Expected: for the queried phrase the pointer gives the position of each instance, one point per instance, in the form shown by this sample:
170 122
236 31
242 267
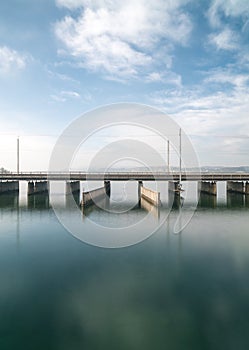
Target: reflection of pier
207 201
38 201
151 208
236 200
10 200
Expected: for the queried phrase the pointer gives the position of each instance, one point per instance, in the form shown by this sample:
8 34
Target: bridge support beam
236 187
90 197
9 186
72 187
38 187
152 197
208 187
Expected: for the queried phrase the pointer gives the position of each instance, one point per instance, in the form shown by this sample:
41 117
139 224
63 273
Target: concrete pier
207 201
151 196
140 184
174 199
38 187
208 187
235 200
247 188
173 186
236 187
72 187
90 197
9 186
107 186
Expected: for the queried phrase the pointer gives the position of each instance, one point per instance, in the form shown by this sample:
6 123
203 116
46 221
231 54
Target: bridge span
123 176
38 182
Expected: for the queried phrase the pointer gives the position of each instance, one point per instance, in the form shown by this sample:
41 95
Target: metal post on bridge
168 156
18 155
180 156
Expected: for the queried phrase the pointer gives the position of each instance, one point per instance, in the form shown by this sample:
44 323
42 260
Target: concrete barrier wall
149 207
91 196
151 196
9 186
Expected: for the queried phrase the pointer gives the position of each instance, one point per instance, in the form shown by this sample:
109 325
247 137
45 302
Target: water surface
185 291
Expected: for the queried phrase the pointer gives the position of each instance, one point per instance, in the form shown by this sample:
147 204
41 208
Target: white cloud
200 111
225 40
168 78
11 60
229 8
217 122
63 96
121 38
70 4
71 94
224 76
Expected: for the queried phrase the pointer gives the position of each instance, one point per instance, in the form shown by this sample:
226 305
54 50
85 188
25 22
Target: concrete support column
207 201
173 186
72 187
247 187
37 187
107 185
31 187
235 187
9 186
140 184
207 187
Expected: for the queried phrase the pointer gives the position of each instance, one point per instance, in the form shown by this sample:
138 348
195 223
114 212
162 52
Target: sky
62 58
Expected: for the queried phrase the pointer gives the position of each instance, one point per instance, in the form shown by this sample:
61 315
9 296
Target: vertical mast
18 155
168 156
180 154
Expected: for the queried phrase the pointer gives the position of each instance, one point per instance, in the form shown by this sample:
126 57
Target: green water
187 291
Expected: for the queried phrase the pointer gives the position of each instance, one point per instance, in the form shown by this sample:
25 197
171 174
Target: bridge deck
123 176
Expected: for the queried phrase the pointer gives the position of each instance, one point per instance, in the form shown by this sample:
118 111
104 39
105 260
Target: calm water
187 291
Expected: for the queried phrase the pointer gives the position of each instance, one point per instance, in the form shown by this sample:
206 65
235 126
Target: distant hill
211 169
225 169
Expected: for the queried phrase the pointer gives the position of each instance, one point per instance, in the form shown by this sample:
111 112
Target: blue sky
61 58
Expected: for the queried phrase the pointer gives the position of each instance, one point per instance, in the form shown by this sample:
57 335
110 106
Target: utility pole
168 156
180 154
18 155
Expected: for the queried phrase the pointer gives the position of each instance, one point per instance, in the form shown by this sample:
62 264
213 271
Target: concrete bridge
123 176
38 182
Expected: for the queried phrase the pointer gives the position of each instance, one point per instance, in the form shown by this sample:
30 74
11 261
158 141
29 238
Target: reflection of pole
18 225
180 151
168 156
18 155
